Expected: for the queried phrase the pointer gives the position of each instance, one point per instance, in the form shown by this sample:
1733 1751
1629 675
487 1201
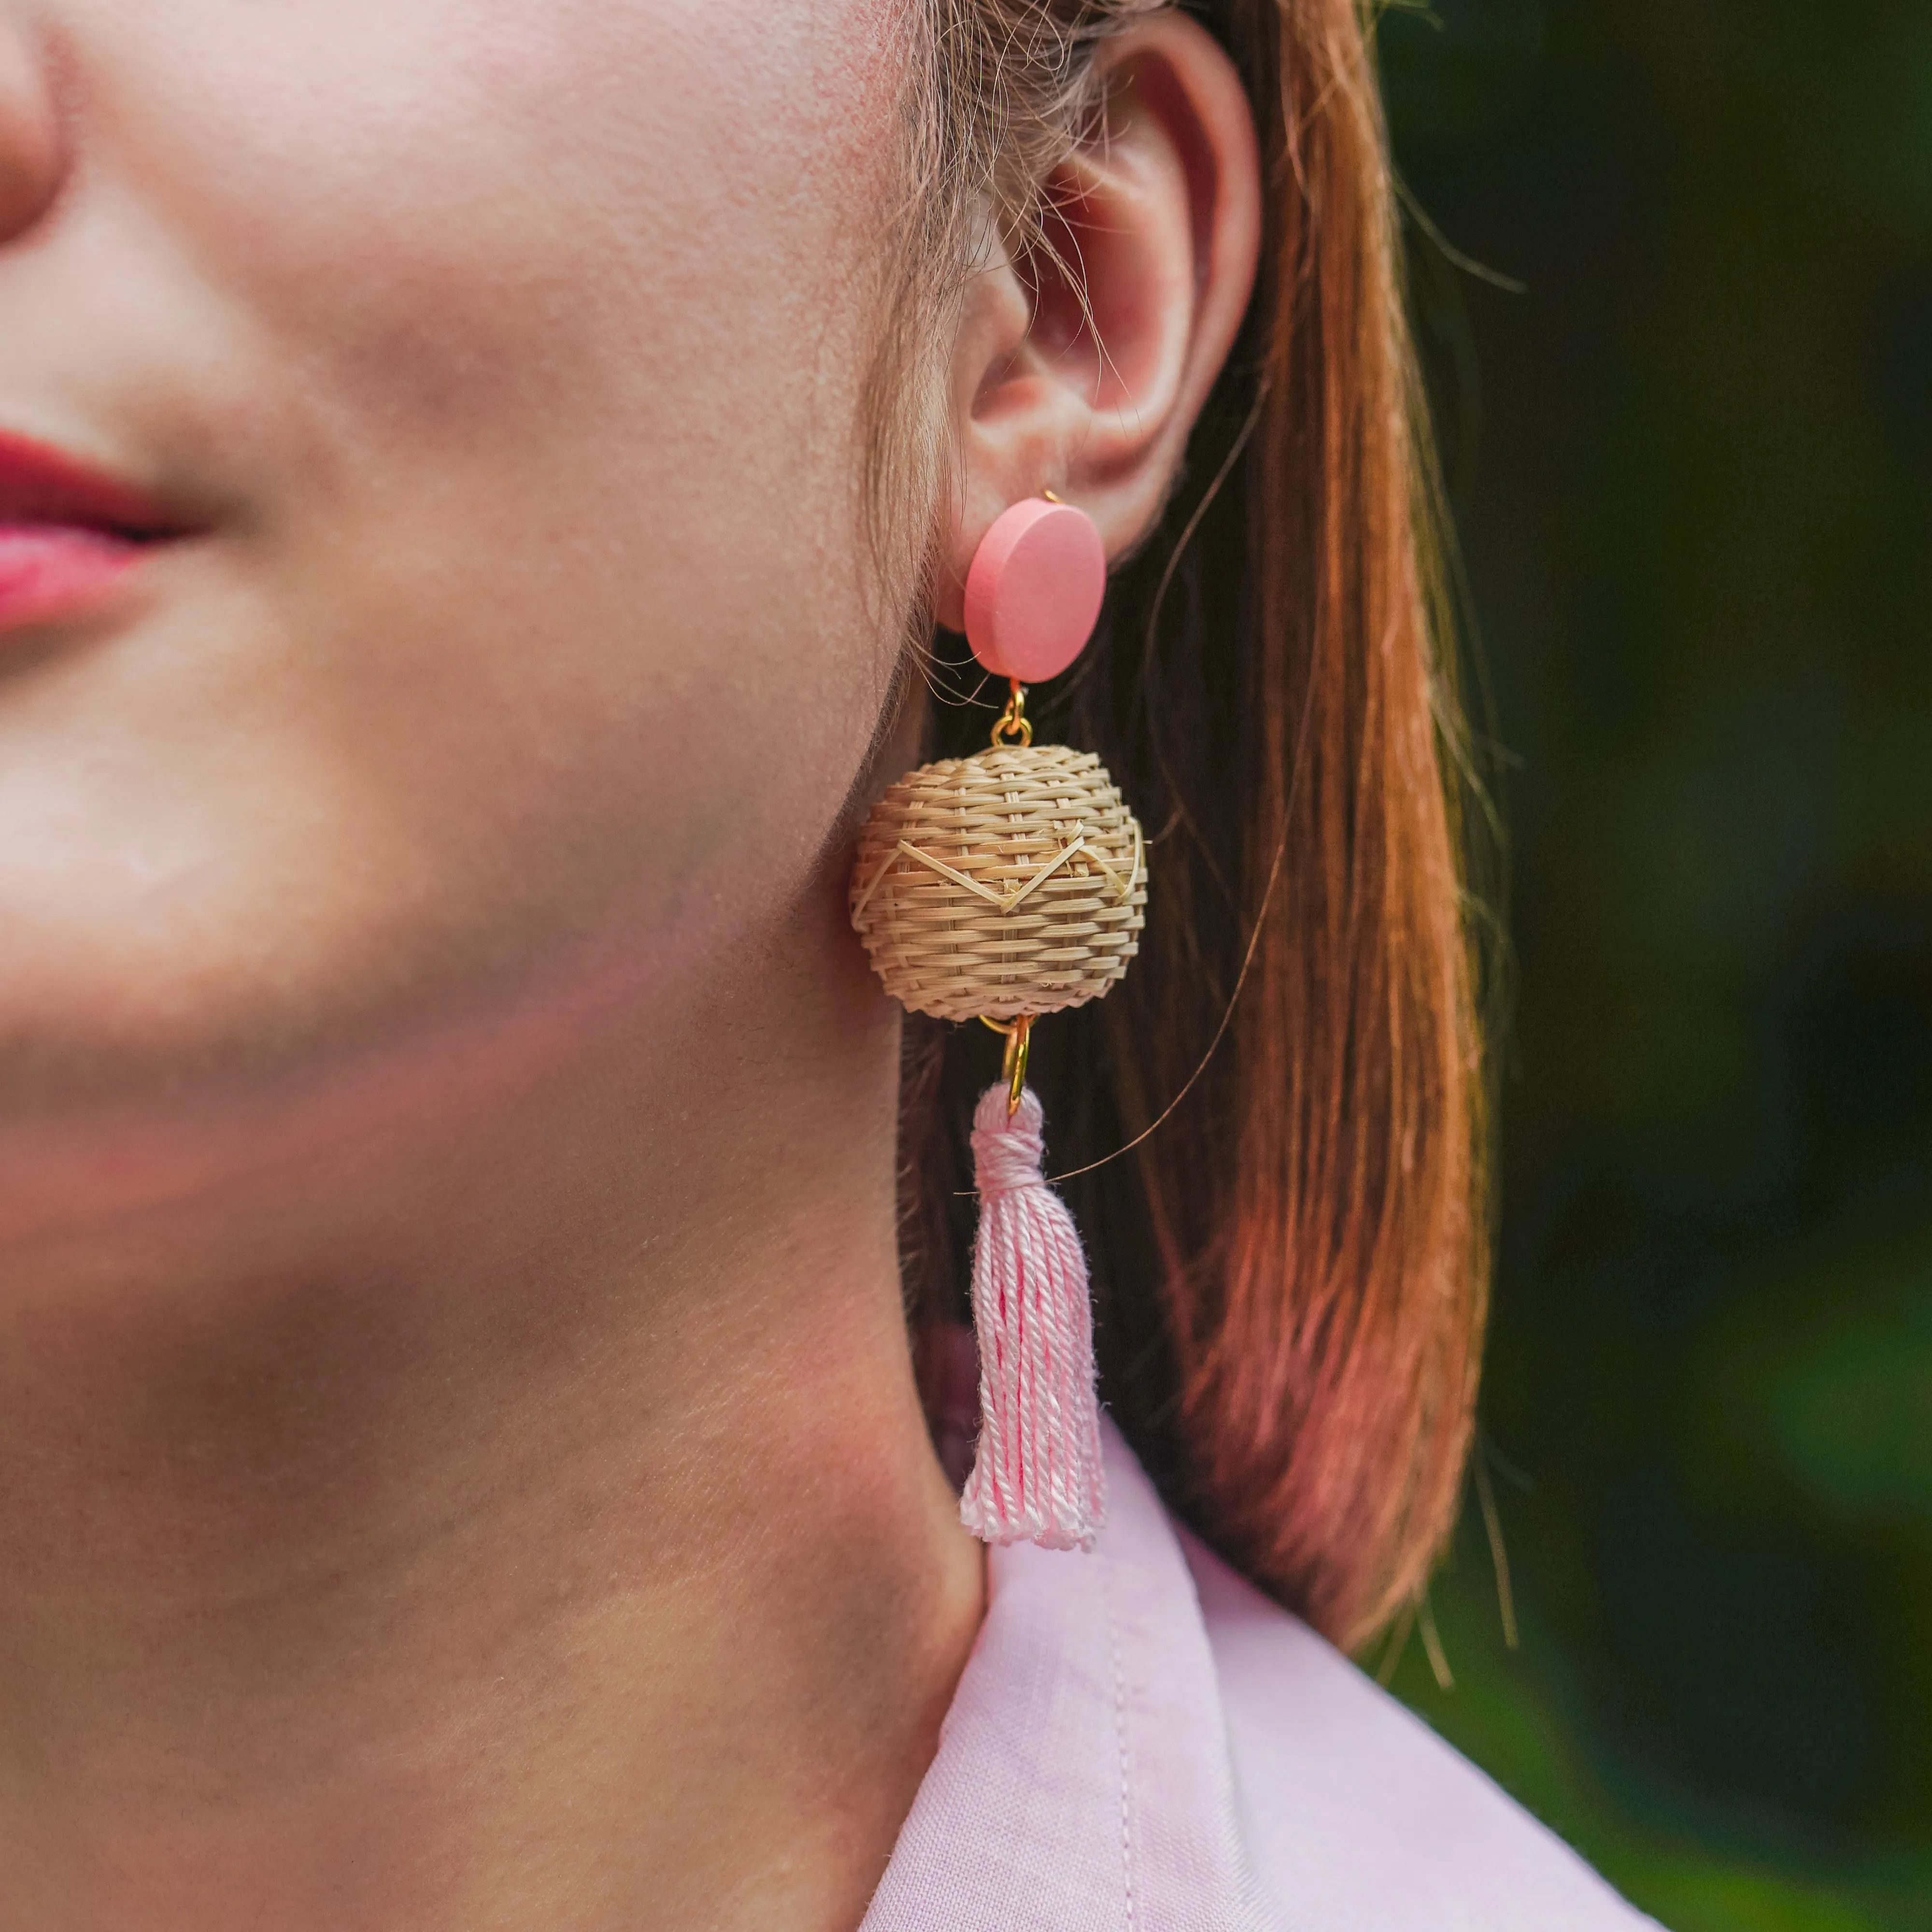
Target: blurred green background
1690 460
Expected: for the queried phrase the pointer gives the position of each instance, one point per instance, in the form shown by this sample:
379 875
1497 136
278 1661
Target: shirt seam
1129 1901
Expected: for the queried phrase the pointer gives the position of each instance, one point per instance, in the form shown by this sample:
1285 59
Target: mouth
68 535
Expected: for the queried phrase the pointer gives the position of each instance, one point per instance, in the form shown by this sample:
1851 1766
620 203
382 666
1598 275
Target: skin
460 1461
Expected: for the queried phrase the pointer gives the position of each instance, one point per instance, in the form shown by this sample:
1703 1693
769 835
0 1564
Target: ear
1155 220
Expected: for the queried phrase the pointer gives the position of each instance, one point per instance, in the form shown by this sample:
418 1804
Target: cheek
492 222
544 620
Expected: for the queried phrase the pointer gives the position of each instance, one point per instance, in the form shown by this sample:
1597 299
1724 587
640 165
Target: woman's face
501 361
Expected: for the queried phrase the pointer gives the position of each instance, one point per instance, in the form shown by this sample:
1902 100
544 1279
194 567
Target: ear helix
1003 887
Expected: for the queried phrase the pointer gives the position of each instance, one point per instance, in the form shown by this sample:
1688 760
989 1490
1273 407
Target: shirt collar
1082 1779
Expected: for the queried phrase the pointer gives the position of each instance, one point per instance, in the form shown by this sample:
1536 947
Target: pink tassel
1037 1475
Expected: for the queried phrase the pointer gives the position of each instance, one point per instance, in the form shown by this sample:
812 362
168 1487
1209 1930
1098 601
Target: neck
520 1517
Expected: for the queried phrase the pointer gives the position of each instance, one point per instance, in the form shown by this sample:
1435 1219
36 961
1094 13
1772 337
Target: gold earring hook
1013 1066
1013 722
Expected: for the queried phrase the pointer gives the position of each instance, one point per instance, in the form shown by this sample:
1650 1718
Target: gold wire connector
1013 722
1013 1068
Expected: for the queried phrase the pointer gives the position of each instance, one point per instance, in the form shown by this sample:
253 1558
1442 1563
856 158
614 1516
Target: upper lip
40 485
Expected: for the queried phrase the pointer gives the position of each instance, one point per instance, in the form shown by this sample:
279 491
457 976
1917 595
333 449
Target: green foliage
1851 1414
1691 465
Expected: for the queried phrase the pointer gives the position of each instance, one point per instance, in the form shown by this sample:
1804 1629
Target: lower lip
58 570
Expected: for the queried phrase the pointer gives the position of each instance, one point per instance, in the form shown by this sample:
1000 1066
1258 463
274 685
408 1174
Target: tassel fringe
1037 1475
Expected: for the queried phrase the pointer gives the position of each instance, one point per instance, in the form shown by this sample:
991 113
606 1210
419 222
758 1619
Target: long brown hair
1290 1274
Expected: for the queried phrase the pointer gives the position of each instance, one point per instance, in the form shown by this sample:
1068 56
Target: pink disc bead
1034 590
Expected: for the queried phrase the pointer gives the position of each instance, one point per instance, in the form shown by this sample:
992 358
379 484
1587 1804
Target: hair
1290 1274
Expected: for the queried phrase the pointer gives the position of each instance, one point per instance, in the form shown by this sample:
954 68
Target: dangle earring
1001 887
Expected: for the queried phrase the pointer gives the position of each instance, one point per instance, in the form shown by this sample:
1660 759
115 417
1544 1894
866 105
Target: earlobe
1084 358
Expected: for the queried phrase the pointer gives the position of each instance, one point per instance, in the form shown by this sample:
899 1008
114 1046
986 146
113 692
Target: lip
68 534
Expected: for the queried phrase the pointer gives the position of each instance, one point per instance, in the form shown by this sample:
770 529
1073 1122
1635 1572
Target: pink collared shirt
1141 1742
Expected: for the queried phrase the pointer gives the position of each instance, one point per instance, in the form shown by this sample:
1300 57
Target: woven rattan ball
1011 883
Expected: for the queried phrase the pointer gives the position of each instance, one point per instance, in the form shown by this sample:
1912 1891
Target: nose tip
31 157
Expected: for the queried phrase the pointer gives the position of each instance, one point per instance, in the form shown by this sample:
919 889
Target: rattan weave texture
1010 882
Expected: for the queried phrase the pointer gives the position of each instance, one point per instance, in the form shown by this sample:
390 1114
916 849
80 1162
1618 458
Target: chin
151 1037
231 1065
